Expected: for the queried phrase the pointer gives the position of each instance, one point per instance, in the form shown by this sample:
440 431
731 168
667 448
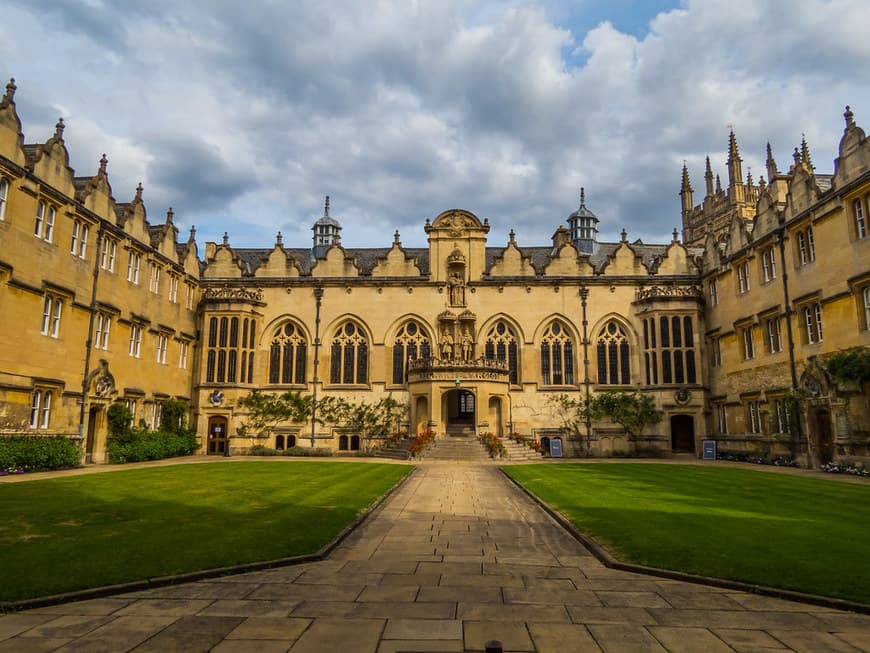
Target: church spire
735 163
708 178
805 153
686 191
772 172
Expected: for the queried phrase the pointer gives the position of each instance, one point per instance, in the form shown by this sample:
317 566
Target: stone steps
457 448
518 451
398 451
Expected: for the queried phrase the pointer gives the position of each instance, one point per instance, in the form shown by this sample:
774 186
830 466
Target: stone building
474 334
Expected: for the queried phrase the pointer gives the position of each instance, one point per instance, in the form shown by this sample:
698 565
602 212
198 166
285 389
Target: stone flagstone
456 557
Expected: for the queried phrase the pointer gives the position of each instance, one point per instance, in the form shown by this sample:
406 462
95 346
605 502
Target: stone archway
459 409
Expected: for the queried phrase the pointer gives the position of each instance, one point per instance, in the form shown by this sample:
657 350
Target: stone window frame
289 349
768 264
78 246
4 195
743 281
806 247
859 217
614 349
134 264
135 348
52 311
102 329
419 342
107 253
46 214
349 354
41 400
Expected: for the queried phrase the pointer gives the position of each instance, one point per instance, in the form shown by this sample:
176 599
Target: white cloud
244 116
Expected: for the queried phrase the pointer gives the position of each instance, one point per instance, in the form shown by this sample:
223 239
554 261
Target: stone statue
446 346
457 289
466 345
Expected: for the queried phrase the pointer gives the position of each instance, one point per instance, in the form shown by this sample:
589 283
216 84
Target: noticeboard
556 448
709 450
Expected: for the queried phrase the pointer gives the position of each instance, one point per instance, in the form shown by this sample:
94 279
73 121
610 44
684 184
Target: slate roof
366 258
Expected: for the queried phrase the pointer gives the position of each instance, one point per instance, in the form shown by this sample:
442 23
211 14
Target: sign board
709 451
556 448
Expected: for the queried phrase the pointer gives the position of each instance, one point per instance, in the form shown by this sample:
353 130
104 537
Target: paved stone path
456 557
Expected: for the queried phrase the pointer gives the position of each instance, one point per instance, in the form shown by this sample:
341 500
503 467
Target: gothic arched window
613 355
557 356
349 357
287 355
501 344
411 342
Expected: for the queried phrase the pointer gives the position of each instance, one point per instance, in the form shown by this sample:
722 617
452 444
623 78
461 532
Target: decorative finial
103 163
718 184
58 129
326 207
428 224
169 215
582 196
279 240
512 237
676 236
805 152
10 89
761 183
486 222
139 191
749 176
848 115
396 239
797 157
624 236
192 233
226 239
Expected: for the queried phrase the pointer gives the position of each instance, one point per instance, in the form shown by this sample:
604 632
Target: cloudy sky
242 116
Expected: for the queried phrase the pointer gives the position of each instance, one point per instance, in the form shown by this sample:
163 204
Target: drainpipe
89 343
318 296
584 295
780 236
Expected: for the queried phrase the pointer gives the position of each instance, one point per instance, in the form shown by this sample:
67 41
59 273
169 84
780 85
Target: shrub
307 451
262 450
151 445
120 419
26 453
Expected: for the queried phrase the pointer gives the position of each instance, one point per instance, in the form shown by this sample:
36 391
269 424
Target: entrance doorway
824 436
682 434
460 410
90 444
217 435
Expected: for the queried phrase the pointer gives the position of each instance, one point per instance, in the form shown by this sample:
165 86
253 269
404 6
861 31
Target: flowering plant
494 444
421 442
853 469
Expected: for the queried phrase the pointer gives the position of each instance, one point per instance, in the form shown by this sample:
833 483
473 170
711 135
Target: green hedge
27 453
151 445
307 452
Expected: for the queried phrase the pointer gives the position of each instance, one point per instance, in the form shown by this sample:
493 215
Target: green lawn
71 533
811 535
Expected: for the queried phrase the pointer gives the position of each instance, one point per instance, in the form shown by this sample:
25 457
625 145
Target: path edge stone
605 558
204 574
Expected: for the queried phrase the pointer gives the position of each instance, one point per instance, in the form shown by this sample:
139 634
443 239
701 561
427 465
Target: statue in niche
466 345
456 286
446 346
